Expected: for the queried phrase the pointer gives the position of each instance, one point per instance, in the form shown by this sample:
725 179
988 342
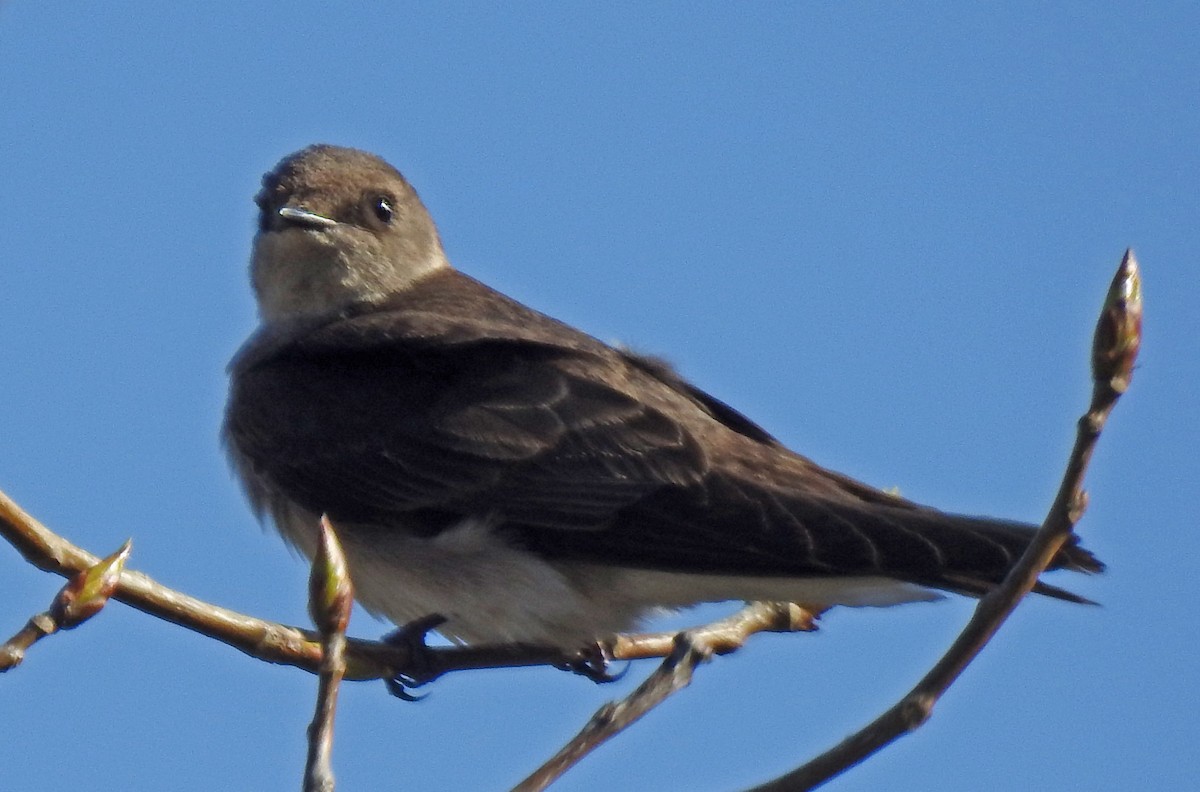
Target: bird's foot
420 669
592 662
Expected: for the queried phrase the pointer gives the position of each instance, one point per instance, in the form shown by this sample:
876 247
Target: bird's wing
375 418
489 409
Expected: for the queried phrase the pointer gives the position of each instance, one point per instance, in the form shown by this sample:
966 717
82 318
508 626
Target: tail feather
973 587
973 576
731 526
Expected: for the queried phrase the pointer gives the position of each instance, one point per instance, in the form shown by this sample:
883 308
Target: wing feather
458 401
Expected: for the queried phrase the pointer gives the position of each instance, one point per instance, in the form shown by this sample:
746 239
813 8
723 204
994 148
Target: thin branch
1115 347
83 596
689 649
1114 350
330 599
265 640
722 637
283 644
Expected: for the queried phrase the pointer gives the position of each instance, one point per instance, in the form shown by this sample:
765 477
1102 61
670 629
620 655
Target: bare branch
1114 350
1115 347
83 596
689 649
287 645
330 599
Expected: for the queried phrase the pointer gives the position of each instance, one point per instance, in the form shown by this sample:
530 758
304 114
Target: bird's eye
382 207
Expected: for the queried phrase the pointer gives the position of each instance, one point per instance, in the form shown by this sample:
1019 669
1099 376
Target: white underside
491 592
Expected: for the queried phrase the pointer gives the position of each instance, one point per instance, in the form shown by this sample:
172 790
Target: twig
273 642
265 640
80 599
723 636
1114 350
330 598
1115 347
689 649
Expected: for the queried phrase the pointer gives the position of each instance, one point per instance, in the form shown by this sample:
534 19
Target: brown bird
524 480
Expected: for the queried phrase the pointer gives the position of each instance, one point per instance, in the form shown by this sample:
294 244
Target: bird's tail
979 552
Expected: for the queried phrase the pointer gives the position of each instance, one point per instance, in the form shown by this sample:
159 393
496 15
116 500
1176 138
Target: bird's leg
420 669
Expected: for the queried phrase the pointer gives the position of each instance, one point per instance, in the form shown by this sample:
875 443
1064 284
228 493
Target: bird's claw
592 662
420 669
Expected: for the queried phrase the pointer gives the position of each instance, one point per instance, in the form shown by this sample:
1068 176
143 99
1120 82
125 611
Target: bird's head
338 227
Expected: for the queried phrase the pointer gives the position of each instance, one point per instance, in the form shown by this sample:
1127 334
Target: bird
517 478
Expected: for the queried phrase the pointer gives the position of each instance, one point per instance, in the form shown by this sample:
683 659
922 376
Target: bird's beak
302 217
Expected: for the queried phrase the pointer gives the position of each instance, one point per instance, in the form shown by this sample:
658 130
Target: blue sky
881 232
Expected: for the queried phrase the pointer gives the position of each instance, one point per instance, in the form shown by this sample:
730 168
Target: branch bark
284 644
1115 347
1114 351
689 649
330 599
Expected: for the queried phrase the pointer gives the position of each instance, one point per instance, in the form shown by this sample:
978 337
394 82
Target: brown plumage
423 402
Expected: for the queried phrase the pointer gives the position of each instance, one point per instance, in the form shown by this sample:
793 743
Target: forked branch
93 581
